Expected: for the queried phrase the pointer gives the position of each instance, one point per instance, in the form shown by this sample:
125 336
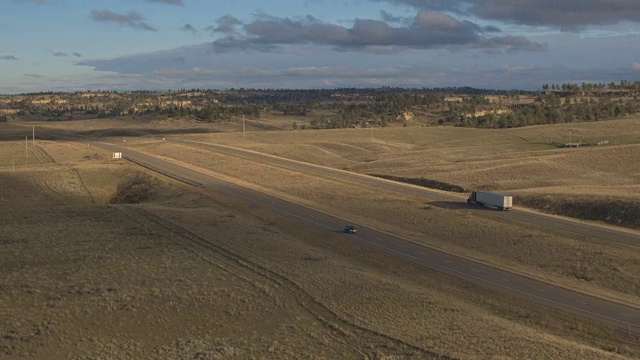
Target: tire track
46 188
52 162
84 186
327 317
34 151
45 154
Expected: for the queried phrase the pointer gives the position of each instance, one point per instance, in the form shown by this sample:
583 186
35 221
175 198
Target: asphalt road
433 197
600 310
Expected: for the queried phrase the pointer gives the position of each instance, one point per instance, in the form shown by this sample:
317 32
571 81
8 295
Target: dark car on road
350 229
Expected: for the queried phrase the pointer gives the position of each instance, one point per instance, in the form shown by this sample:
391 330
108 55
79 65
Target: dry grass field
141 125
583 263
522 162
197 275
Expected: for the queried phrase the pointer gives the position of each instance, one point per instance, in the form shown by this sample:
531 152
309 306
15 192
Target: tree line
540 113
353 107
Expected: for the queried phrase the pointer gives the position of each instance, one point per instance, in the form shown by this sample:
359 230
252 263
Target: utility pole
34 135
372 134
26 146
569 137
244 134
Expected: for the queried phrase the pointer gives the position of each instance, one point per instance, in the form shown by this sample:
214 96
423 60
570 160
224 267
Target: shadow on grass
134 132
427 183
458 205
614 211
14 135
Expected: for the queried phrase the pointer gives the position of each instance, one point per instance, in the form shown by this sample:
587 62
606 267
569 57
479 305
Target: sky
76 45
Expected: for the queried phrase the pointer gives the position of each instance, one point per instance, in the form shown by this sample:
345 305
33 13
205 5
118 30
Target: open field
461 154
589 264
154 124
200 275
517 161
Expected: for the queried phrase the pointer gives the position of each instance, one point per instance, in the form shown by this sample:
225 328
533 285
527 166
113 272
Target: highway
611 313
558 224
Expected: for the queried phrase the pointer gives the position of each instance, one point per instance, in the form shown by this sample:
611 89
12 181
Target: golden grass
95 281
515 161
583 263
427 147
384 294
15 155
98 295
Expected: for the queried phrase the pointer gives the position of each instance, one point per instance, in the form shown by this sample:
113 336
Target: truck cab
489 199
472 200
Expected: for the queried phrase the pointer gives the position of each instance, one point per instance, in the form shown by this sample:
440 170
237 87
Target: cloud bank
131 19
427 30
170 2
189 28
565 14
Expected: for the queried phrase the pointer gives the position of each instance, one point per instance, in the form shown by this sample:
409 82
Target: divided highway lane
603 311
426 194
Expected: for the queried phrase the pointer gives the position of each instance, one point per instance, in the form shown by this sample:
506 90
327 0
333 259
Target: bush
620 212
432 184
134 190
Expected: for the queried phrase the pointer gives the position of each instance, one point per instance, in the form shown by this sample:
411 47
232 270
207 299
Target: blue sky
69 45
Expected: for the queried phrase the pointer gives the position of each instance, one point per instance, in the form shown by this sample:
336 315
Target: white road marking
629 316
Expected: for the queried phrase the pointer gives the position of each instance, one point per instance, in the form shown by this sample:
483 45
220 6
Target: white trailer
489 199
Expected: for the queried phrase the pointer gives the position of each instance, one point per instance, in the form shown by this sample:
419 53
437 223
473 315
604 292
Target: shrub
620 212
133 190
433 184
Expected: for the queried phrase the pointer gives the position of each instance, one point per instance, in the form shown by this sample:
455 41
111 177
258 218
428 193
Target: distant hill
343 107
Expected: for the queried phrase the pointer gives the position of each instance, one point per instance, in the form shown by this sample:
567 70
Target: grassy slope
114 285
610 268
517 161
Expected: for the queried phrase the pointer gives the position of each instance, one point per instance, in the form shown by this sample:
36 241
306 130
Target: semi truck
489 199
